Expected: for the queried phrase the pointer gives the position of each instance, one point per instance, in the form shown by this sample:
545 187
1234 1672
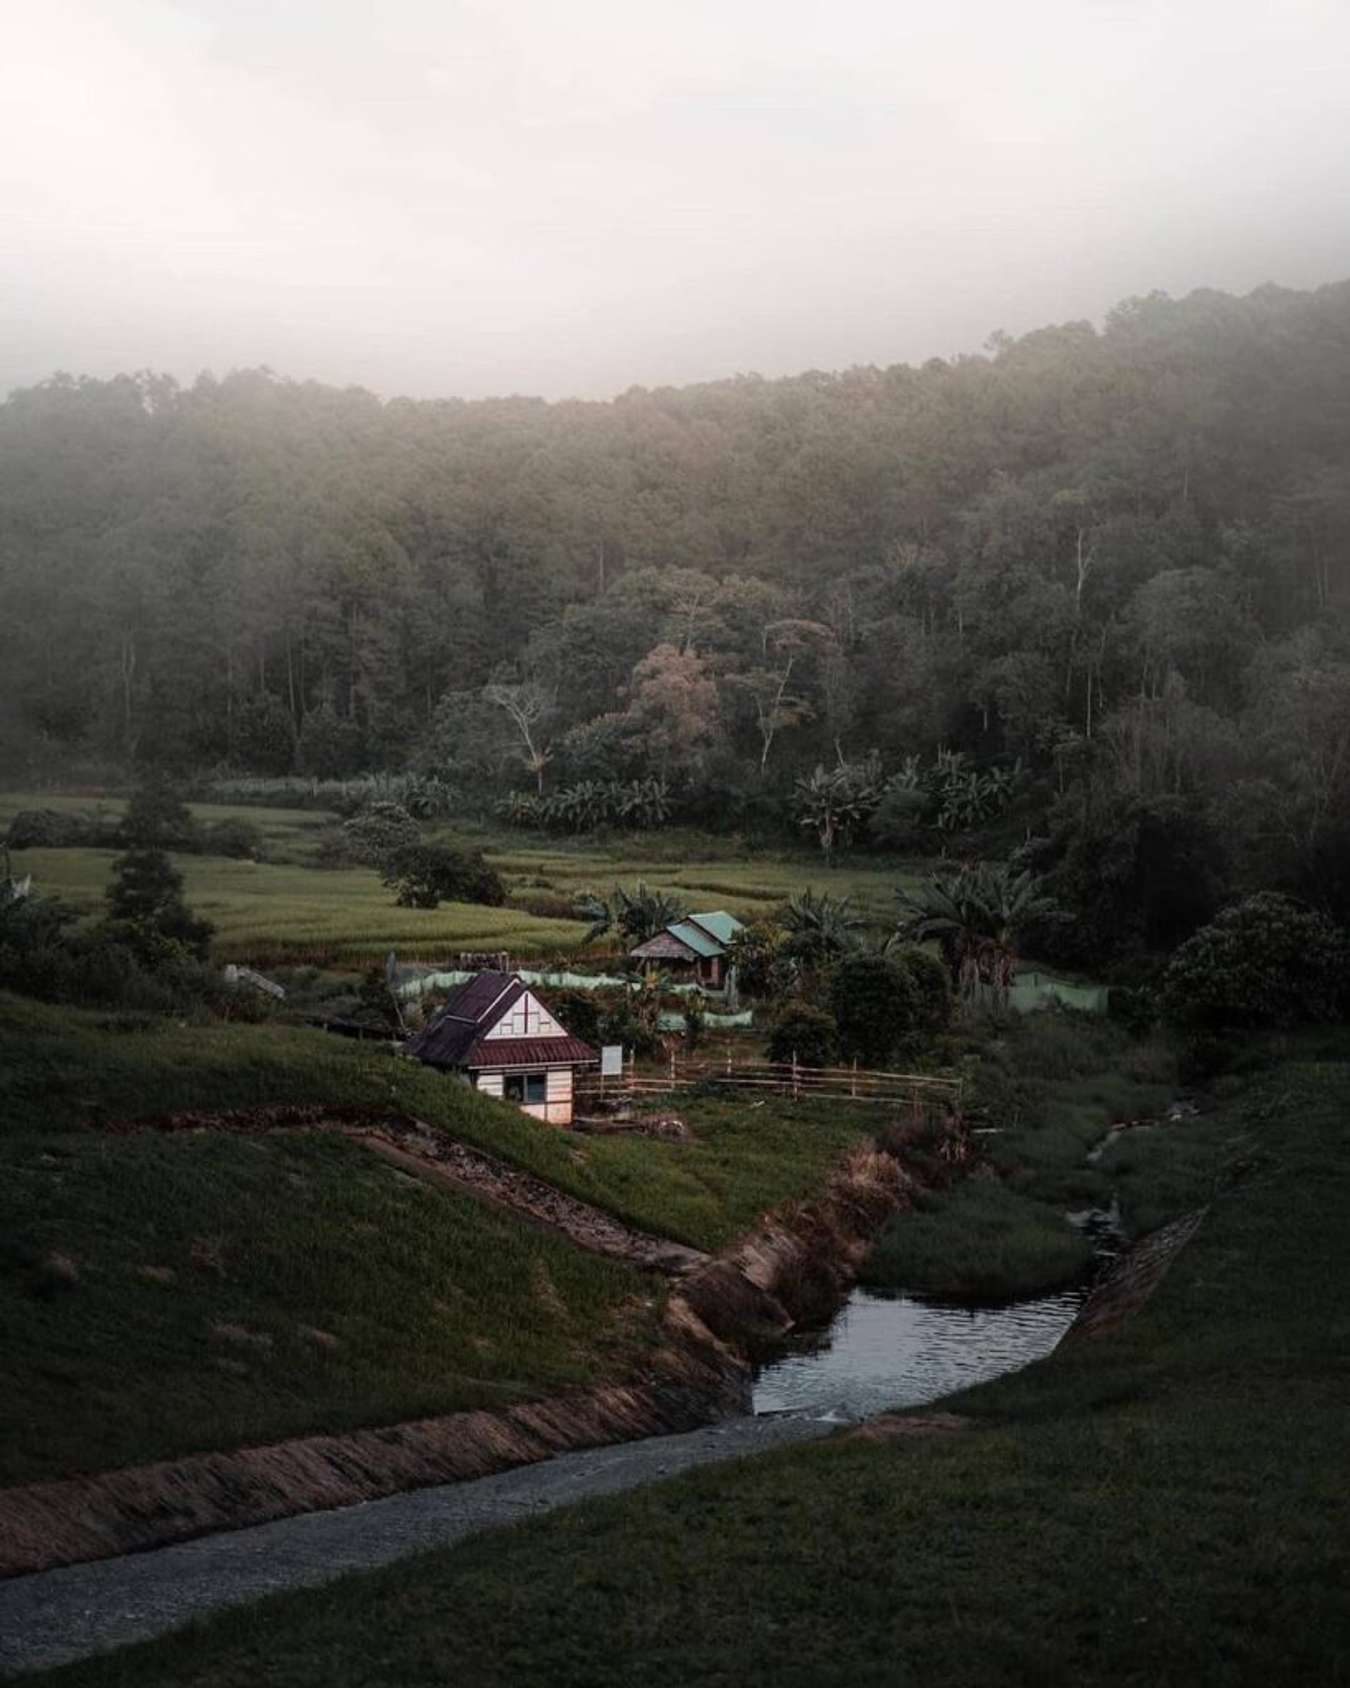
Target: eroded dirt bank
1133 1278
722 1314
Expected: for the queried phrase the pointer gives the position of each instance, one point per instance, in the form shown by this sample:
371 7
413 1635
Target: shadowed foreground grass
164 1295
435 1302
1163 1506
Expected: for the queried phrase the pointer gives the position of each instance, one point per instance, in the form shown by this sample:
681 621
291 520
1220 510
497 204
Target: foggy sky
447 196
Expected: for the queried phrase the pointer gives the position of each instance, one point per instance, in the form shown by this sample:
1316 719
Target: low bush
804 1034
876 1007
371 838
238 839
1268 961
53 829
426 875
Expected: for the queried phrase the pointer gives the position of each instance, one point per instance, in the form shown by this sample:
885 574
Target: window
525 1087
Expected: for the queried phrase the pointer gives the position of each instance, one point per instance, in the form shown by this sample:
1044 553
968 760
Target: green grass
223 1291
288 911
436 1303
1162 1506
1049 1085
982 1241
289 914
68 1069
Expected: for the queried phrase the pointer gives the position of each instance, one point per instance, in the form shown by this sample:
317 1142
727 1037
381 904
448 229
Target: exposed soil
1133 1279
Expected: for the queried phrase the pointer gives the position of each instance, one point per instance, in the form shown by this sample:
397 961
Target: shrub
425 875
1267 961
50 829
374 837
756 952
876 1007
264 734
579 1012
157 818
805 1034
330 747
932 988
147 912
235 838
695 1019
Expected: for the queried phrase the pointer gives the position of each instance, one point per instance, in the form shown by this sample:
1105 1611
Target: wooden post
853 1089
672 1067
728 1057
794 1076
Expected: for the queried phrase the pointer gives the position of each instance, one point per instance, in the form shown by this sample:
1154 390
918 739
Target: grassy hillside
66 1070
161 1294
1164 1505
165 1295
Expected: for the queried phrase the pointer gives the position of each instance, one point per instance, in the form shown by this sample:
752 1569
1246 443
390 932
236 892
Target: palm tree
820 928
637 915
977 915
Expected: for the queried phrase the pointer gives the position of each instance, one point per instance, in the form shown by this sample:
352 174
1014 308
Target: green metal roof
722 925
695 938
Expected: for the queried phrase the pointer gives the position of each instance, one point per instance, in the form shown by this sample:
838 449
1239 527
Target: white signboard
611 1061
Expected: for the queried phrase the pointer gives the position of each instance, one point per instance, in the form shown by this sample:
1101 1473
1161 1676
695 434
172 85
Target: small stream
895 1350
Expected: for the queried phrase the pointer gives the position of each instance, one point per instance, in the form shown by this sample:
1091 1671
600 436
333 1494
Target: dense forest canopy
1117 554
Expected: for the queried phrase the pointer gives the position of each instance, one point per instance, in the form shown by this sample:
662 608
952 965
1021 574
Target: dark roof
474 1008
530 1052
665 946
456 1037
702 935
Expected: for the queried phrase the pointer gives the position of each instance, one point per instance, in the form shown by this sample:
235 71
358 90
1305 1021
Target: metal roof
719 924
475 1008
695 938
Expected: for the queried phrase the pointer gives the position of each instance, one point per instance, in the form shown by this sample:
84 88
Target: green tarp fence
1032 990
557 981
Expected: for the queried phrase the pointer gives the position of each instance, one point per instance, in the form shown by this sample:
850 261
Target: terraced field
287 910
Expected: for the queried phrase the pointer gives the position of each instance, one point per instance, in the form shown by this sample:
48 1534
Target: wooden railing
919 1091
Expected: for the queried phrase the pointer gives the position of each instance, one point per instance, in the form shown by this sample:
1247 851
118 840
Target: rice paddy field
288 910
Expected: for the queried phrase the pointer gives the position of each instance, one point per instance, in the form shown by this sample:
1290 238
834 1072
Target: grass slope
65 1069
1164 1506
164 1295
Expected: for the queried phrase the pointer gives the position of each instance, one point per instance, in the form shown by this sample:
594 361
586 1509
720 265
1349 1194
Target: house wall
556 1110
528 1018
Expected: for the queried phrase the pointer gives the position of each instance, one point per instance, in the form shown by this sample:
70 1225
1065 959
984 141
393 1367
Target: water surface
895 1350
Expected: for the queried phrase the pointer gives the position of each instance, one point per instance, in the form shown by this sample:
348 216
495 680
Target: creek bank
718 1318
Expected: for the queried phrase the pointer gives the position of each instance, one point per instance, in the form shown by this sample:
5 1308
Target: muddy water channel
894 1350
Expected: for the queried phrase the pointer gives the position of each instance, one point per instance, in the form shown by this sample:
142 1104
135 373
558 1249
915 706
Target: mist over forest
1106 567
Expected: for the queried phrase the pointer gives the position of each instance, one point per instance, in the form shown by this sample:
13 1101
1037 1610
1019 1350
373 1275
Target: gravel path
55 1616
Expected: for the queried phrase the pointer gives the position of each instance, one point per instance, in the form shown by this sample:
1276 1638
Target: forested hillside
1120 557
